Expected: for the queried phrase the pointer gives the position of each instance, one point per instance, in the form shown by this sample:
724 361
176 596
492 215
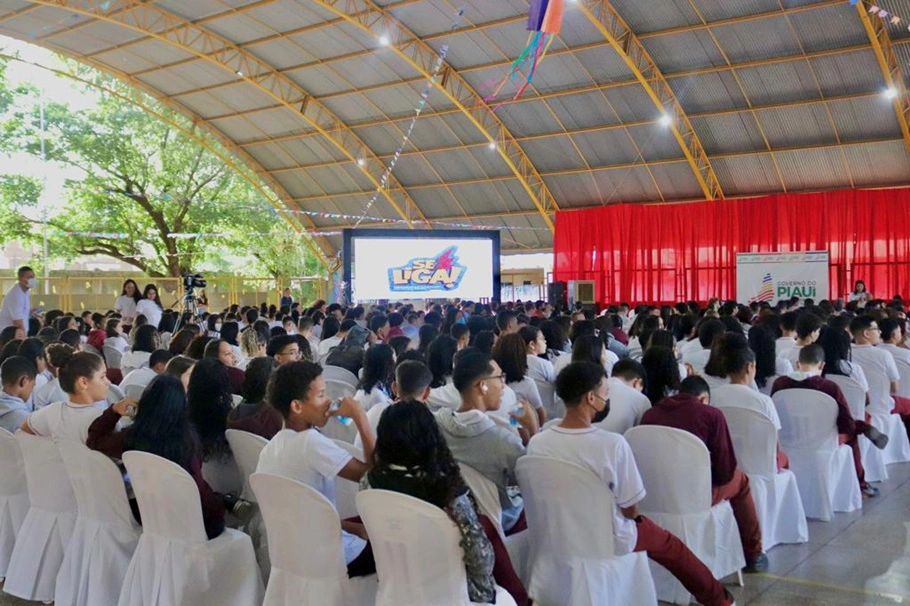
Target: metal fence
99 292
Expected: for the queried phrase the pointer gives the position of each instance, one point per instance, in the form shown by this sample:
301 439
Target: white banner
774 276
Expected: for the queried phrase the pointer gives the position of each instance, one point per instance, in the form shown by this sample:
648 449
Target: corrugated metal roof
824 120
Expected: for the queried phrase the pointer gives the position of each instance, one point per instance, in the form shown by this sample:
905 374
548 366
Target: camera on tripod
191 281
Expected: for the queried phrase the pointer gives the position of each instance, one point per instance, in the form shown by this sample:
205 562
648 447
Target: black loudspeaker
557 293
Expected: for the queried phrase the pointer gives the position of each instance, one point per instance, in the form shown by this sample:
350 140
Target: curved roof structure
637 101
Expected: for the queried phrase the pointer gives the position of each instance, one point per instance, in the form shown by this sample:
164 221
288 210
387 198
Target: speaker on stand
557 295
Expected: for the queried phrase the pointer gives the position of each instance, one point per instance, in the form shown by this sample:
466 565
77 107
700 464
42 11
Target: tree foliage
144 187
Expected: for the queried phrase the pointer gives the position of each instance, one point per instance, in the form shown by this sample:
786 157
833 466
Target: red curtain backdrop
679 252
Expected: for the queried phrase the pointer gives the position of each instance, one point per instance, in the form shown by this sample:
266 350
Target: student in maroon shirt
254 414
808 376
690 411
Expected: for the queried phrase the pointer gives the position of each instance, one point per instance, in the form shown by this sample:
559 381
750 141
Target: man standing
17 303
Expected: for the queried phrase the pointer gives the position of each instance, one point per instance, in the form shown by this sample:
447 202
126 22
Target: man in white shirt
707 332
300 452
866 335
326 345
808 328
412 383
607 455
17 302
135 382
788 328
627 402
892 338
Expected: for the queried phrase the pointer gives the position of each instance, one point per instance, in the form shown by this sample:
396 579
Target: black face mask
603 413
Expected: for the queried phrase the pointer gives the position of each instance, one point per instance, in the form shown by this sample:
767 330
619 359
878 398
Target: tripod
188 305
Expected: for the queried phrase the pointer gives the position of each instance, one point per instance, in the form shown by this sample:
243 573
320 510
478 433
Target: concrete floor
857 559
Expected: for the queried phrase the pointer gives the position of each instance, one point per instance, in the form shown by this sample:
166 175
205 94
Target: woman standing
150 305
126 303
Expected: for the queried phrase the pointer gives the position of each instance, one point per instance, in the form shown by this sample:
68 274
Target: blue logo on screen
425 274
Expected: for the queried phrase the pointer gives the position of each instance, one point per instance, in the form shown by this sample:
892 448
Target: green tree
145 187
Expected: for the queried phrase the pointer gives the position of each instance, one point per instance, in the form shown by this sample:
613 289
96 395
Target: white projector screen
422 268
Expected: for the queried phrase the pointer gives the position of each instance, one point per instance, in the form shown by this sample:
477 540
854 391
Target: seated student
582 387
160 427
662 372
221 350
97 335
866 336
378 374
689 410
477 441
141 377
411 457
892 339
115 335
539 367
808 375
440 359
144 343
333 334
739 393
254 414
808 329
300 452
462 335
707 333
17 374
83 377
627 402
411 383
510 352
284 349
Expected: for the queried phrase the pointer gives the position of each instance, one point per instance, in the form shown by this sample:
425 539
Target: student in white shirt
17 302
150 305
17 376
412 382
893 340
808 328
300 452
539 368
83 377
866 335
440 360
115 336
126 302
510 352
137 380
788 328
144 343
838 357
707 333
607 455
627 402
326 345
377 376
252 345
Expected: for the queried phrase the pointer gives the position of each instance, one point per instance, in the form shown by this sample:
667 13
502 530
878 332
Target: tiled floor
858 559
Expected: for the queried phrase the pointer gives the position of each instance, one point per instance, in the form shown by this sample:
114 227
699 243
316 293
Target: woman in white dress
150 305
127 301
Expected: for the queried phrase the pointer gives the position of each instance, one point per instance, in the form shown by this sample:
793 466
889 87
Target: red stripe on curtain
679 252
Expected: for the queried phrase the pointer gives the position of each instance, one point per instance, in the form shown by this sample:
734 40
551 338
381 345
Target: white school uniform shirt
368 400
560 362
688 347
140 377
542 370
118 343
868 356
64 420
743 396
16 306
126 306
634 348
610 458
627 405
898 353
527 389
313 459
855 372
698 359
325 345
444 397
150 310
783 344
132 360
373 416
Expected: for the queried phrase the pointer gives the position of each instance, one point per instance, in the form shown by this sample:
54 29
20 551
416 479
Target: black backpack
349 353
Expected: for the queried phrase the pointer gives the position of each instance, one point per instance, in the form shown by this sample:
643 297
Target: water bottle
333 407
517 410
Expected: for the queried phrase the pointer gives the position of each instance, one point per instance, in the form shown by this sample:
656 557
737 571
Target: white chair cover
92 349
880 406
174 564
13 496
487 496
112 356
873 459
134 391
551 403
106 534
676 469
335 389
341 375
305 547
903 369
780 510
823 469
48 526
223 475
418 557
246 447
572 561
346 490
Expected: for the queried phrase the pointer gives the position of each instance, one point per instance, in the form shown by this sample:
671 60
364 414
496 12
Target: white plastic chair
106 534
551 403
880 406
873 459
676 469
487 496
823 468
48 525
92 349
13 496
174 564
780 509
418 557
246 447
305 547
903 387
346 490
112 356
572 561
341 375
134 391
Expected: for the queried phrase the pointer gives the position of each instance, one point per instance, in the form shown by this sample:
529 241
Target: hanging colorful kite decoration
544 23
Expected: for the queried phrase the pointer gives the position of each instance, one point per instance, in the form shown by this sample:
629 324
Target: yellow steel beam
140 94
624 41
877 31
155 22
375 22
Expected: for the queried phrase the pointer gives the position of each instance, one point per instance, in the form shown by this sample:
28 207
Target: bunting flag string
881 13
